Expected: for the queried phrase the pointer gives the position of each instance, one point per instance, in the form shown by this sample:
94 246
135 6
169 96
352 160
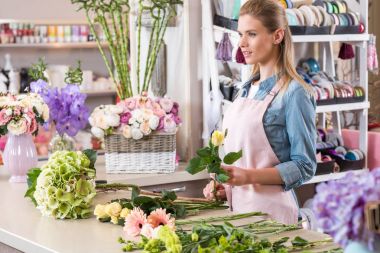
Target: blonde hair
272 15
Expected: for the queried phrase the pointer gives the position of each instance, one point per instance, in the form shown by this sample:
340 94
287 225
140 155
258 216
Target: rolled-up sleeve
301 129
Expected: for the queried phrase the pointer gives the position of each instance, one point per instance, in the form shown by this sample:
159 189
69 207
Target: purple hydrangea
67 106
339 206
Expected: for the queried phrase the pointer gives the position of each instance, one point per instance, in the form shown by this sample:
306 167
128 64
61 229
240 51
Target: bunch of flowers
136 117
339 206
68 111
113 212
137 222
21 114
64 187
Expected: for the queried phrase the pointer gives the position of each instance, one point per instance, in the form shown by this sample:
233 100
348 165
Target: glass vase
19 156
61 142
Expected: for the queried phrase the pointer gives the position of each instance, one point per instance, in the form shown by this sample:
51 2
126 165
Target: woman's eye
252 34
240 35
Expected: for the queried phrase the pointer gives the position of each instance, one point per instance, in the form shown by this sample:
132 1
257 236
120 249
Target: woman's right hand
220 192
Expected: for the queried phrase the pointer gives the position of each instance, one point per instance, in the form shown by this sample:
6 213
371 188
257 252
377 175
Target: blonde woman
272 120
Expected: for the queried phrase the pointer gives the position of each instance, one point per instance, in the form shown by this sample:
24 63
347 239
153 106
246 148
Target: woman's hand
238 176
214 189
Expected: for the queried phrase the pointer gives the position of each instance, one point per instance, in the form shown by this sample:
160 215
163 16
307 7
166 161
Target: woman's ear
278 36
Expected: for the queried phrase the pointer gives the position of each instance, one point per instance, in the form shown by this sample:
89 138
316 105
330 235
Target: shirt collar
266 85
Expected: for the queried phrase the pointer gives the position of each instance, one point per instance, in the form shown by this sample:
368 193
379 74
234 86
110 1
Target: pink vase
19 156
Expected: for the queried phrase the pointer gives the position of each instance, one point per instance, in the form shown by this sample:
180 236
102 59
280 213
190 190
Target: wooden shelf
46 21
58 45
98 93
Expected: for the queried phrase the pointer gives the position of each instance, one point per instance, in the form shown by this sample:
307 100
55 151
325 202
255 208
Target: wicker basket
154 153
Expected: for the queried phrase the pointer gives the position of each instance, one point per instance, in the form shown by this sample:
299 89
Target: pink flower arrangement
21 114
137 223
136 117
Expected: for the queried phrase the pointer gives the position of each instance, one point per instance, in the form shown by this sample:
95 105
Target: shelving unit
214 104
57 45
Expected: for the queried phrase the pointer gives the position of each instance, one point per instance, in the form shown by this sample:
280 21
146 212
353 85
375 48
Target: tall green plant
113 18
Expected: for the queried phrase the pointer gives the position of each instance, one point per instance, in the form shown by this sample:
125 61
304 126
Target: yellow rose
100 212
124 213
113 209
217 138
114 220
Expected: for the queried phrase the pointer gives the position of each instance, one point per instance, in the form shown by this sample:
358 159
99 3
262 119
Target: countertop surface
23 227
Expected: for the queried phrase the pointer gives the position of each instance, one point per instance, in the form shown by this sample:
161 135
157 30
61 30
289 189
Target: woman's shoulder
298 92
295 88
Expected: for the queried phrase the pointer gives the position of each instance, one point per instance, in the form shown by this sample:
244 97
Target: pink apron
244 121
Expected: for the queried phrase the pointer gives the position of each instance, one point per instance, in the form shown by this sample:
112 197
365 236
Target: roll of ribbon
335 7
345 7
300 17
292 17
289 3
341 150
354 17
329 6
351 22
318 14
340 6
352 156
326 18
308 15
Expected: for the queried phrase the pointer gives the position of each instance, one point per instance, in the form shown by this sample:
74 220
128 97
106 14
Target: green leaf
32 176
180 211
195 166
299 242
168 195
140 200
91 155
135 193
222 178
214 168
232 157
3 130
204 152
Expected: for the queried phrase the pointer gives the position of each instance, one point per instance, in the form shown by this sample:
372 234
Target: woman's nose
243 41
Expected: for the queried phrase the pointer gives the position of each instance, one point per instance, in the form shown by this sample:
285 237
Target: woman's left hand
238 176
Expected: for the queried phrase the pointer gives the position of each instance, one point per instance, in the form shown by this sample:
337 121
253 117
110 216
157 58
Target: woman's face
256 42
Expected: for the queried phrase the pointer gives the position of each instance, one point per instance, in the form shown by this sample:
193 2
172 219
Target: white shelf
333 176
331 37
63 45
234 36
342 107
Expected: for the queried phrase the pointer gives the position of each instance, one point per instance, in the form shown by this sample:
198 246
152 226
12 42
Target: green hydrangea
65 187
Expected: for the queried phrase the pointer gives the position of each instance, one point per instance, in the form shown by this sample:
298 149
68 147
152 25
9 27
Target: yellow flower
113 209
100 212
114 220
217 138
124 213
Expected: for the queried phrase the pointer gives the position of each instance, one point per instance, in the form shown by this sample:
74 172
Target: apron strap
272 94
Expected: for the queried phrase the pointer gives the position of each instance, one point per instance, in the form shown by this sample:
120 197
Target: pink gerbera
159 217
134 222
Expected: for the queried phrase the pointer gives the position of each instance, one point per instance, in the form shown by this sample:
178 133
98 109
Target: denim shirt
289 124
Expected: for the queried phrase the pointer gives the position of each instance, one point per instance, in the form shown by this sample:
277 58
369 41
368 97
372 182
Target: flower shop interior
118 132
